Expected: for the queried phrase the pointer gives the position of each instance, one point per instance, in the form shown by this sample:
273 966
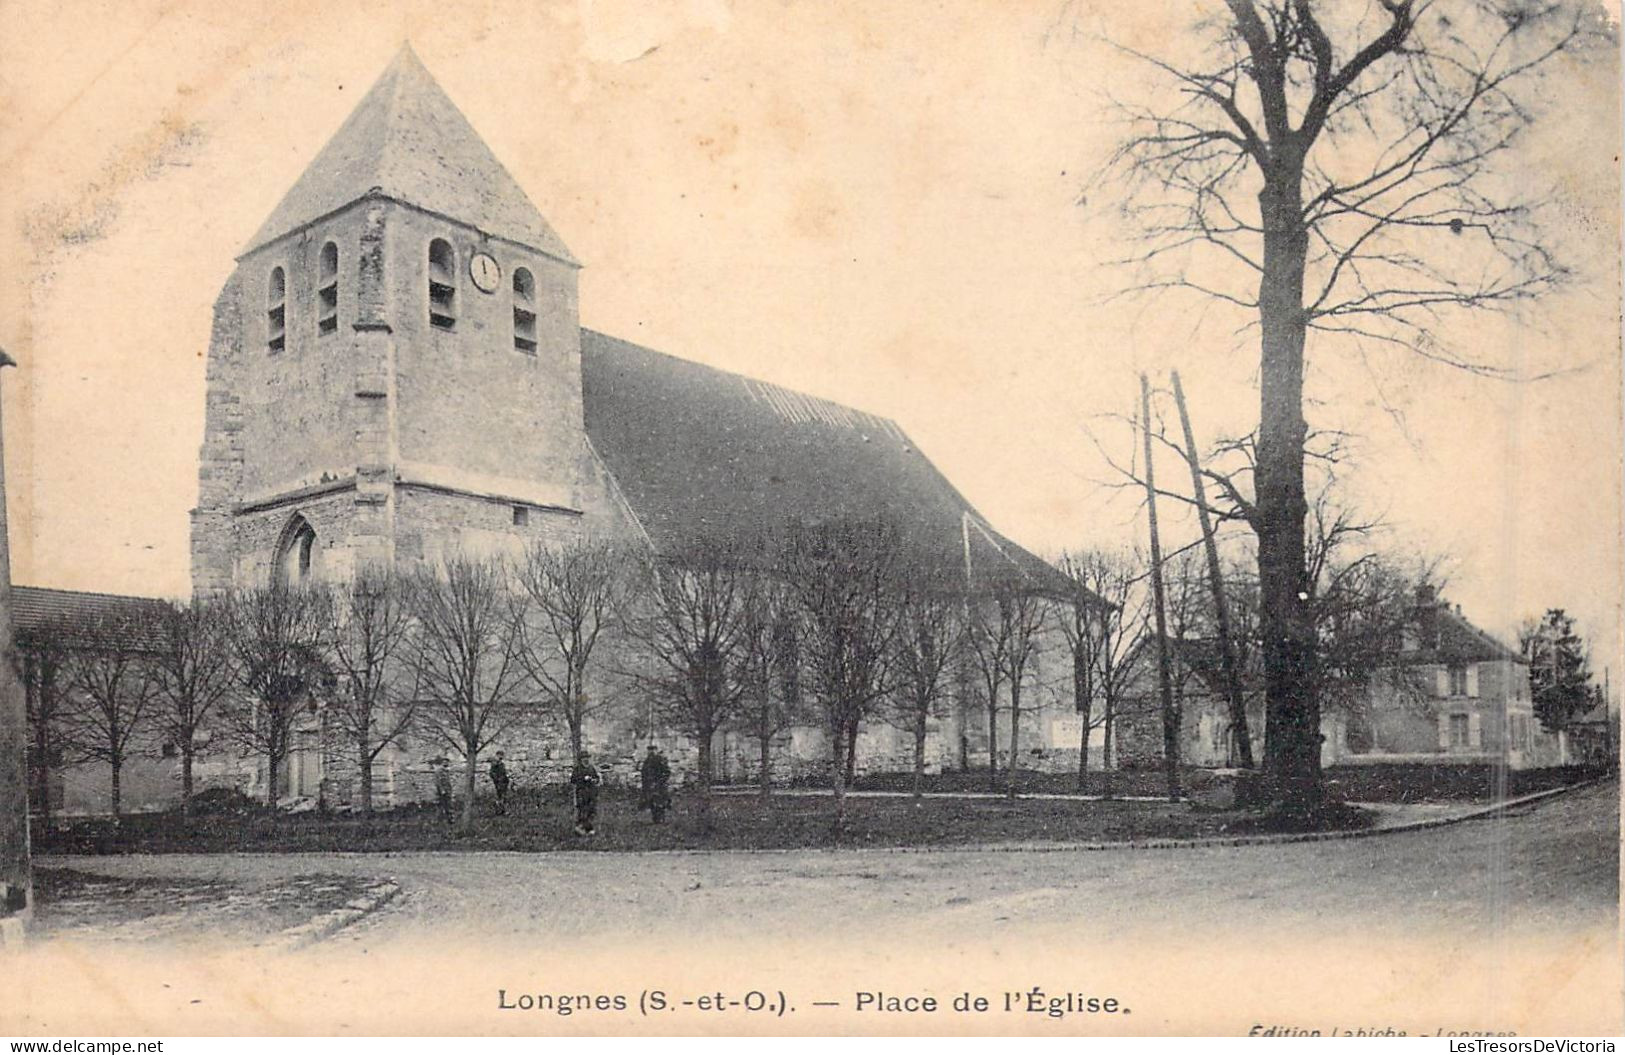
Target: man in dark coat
499 782
655 774
442 788
584 782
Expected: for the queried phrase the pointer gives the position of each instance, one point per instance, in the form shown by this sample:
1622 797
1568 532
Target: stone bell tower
394 370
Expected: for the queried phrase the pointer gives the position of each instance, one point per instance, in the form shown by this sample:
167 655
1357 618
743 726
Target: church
397 372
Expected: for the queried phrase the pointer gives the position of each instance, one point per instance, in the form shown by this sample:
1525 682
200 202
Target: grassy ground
541 822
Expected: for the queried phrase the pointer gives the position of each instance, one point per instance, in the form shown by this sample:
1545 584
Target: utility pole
1170 720
16 881
1221 607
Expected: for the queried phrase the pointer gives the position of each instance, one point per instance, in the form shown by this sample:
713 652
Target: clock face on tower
485 272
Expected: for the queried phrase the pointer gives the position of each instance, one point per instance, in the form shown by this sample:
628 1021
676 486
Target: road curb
328 924
1269 839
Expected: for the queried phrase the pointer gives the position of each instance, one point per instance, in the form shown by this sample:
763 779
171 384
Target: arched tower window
524 311
276 311
442 285
327 290
298 555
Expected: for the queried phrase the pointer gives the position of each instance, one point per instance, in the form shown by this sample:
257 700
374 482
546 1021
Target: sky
885 205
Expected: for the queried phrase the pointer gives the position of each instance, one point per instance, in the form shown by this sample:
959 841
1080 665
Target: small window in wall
298 559
521 516
442 285
327 291
1458 681
1460 731
524 311
276 311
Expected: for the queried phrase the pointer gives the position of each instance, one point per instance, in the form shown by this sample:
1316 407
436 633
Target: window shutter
1472 680
1475 730
1442 681
1444 732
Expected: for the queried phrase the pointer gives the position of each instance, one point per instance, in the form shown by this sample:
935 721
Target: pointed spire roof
407 140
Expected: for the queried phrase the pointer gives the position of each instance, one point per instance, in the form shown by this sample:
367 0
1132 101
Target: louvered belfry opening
276 311
442 285
524 311
327 291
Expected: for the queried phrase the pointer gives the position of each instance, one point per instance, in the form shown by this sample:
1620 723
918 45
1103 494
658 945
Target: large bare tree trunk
116 788
1292 713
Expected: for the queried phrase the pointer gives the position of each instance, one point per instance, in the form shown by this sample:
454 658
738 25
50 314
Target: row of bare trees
840 625
457 655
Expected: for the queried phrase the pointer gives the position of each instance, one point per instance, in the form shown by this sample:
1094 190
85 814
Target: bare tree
1021 615
841 578
194 669
1345 162
771 670
926 647
987 641
42 656
276 642
465 656
368 628
576 594
693 623
111 686
1103 628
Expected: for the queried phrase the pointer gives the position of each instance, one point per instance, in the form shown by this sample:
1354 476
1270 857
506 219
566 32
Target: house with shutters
1448 694
1454 695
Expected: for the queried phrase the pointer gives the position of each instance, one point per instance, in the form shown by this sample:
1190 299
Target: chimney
1427 616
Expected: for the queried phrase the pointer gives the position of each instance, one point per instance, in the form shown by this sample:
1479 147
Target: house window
1458 681
524 311
442 285
1460 731
276 311
327 291
1520 732
521 516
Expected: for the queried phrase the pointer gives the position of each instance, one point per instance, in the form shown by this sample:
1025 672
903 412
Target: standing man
442 788
584 781
499 783
655 774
